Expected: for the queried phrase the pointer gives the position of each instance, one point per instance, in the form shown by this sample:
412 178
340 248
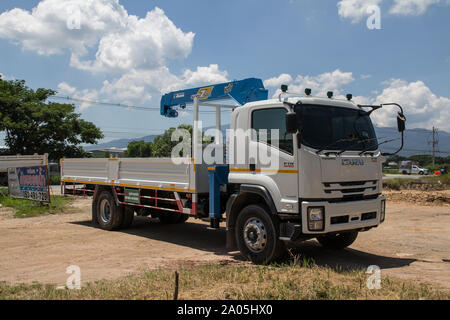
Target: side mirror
291 122
401 122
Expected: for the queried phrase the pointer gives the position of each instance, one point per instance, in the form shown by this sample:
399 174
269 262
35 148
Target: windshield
334 128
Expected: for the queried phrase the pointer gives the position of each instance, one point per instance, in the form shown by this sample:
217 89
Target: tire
338 241
257 235
183 218
173 218
128 217
94 212
421 173
109 214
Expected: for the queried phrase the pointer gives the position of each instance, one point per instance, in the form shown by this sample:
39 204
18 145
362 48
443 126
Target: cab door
280 175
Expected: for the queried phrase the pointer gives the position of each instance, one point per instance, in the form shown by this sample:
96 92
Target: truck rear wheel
109 214
338 241
257 235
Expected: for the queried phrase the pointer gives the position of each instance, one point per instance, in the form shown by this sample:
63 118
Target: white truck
19 161
411 167
327 183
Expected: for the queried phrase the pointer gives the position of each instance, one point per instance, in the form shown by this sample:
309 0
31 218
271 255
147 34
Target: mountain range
417 141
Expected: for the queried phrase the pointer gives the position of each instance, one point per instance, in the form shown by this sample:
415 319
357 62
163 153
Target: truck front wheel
257 236
338 241
109 214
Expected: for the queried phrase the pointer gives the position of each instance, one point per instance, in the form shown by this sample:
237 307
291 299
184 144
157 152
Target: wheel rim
255 235
105 211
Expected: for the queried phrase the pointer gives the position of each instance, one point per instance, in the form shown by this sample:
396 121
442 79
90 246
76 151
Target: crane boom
242 92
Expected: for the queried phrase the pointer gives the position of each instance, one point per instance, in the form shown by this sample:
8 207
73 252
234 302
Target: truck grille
350 187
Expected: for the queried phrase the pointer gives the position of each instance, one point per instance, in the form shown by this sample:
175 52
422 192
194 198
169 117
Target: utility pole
434 143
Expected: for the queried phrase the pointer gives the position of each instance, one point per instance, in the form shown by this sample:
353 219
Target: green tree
139 149
34 125
163 144
423 159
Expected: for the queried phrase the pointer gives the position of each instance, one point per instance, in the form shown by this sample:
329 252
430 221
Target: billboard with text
30 183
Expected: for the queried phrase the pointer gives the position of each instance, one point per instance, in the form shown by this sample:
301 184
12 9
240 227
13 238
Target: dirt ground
413 243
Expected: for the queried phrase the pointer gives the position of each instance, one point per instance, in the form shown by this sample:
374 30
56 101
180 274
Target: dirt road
414 243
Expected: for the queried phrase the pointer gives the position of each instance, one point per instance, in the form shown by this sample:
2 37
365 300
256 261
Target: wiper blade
384 142
334 143
354 145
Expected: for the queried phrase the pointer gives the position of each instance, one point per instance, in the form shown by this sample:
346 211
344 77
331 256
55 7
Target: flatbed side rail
153 199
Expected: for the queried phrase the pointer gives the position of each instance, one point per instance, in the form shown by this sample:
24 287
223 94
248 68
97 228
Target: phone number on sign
36 196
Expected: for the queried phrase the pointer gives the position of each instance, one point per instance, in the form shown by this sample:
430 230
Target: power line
107 103
121 105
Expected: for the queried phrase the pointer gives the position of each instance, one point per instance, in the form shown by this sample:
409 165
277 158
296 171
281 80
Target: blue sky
325 45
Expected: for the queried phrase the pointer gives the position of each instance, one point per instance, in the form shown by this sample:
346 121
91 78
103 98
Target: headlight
383 211
316 219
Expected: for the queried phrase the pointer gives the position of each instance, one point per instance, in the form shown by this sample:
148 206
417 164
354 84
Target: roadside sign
29 183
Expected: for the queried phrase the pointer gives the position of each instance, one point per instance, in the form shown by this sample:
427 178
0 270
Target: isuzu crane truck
323 180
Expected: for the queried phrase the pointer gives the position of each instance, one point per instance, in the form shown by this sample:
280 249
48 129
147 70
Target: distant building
112 152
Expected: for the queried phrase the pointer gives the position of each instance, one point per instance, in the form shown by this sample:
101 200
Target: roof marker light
284 88
308 91
330 94
349 97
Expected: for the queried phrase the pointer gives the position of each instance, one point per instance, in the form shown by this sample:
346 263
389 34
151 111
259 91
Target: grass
27 209
55 180
441 182
390 171
298 280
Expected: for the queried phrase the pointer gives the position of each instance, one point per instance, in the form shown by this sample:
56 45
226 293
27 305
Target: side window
267 119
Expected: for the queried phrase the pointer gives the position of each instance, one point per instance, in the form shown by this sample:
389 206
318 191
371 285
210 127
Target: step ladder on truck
319 175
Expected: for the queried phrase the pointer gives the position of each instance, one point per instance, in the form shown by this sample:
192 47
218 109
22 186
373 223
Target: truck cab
326 183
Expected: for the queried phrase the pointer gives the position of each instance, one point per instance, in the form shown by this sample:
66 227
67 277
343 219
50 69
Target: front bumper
345 216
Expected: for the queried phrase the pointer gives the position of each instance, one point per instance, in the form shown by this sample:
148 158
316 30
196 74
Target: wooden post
175 294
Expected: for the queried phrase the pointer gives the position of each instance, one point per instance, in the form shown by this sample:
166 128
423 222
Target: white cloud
355 10
412 7
65 89
121 41
87 94
423 108
204 75
143 44
276 82
134 51
139 85
45 30
320 84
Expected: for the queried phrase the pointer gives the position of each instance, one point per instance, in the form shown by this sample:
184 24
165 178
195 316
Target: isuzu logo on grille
352 162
